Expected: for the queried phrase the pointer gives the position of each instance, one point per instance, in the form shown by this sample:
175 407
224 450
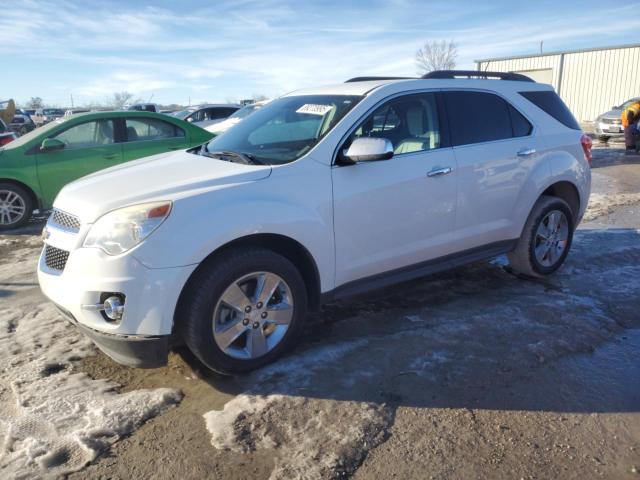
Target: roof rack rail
367 79
477 74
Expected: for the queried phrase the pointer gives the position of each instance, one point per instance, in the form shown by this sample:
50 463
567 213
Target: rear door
89 146
495 149
148 136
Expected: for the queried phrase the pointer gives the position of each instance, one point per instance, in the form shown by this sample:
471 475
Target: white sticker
314 109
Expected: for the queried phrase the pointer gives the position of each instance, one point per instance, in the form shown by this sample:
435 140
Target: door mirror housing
368 149
51 144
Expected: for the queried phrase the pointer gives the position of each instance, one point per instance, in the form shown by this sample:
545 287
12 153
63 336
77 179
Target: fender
274 205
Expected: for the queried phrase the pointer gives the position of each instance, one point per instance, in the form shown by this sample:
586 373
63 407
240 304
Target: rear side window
151 129
551 103
476 117
521 126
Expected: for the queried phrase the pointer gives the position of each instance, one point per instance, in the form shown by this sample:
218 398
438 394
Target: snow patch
604 204
54 421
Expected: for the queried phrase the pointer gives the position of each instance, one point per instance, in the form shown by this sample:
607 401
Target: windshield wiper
244 157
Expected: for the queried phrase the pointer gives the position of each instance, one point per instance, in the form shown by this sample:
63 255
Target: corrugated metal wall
590 82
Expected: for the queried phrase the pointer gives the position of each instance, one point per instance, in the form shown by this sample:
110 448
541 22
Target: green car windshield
38 132
286 129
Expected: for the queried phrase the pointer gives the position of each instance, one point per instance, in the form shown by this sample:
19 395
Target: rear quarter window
551 103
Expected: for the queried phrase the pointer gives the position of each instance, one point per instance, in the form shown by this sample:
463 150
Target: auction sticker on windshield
314 109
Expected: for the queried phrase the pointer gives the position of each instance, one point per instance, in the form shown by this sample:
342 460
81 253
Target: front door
89 147
394 213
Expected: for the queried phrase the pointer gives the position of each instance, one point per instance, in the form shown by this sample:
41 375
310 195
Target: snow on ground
604 204
53 421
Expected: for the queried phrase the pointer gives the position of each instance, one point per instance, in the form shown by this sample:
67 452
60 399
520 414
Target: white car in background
321 194
234 119
207 114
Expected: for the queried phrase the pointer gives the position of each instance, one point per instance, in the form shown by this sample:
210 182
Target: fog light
113 308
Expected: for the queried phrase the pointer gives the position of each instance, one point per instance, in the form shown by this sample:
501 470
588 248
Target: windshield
52 111
182 114
285 129
244 111
40 131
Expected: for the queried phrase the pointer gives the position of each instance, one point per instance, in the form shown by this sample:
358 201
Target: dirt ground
473 373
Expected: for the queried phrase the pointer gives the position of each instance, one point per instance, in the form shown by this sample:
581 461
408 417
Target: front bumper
141 337
608 130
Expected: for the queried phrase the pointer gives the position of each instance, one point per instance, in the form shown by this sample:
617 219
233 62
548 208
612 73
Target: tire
528 258
603 138
16 206
202 310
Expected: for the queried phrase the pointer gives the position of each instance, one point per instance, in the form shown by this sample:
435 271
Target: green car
35 167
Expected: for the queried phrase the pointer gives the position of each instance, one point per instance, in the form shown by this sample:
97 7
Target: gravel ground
473 373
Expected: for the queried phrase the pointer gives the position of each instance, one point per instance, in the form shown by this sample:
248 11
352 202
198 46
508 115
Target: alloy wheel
12 207
252 315
551 238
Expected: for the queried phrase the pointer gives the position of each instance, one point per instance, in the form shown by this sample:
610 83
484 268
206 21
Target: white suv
321 194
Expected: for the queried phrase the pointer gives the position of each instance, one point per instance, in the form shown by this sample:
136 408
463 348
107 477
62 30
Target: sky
185 51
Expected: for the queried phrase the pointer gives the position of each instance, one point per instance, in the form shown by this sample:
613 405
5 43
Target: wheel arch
568 192
36 201
289 248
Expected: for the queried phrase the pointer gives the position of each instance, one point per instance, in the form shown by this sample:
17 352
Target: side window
151 129
410 123
89 134
197 116
550 102
521 126
218 113
476 117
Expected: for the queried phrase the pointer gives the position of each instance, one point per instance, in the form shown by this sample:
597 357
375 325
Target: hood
167 176
222 126
613 113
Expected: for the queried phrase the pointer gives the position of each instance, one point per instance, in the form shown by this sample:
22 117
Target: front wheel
545 240
16 206
243 310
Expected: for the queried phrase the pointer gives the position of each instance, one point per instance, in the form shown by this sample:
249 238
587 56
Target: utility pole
541 42
71 95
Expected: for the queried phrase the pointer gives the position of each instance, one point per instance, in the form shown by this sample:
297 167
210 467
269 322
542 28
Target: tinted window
410 123
521 126
550 102
151 129
218 113
476 117
89 134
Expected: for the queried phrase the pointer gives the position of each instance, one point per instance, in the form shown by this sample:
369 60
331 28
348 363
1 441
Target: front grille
54 258
65 220
612 121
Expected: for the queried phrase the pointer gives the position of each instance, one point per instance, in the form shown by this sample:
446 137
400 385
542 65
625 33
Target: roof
364 88
560 52
213 105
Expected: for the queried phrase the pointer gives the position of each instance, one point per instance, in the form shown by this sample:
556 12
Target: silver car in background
609 125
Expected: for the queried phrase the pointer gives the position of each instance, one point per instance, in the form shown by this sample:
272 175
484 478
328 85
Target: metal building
589 81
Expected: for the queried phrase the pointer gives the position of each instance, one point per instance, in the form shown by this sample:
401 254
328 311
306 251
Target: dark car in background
22 122
6 135
609 125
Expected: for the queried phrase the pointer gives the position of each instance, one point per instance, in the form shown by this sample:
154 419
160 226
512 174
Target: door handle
110 156
437 172
525 152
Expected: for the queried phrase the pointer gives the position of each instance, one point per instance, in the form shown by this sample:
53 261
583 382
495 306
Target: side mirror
51 144
368 149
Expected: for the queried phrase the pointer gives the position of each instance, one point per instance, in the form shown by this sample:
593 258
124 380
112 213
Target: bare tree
120 99
437 55
35 103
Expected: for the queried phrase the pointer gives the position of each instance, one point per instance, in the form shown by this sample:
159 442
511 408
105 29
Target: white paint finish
354 221
389 214
592 81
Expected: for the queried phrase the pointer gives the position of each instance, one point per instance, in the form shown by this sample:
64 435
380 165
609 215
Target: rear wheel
244 310
545 240
603 138
16 206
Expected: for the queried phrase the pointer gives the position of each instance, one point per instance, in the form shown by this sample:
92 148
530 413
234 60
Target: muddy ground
473 373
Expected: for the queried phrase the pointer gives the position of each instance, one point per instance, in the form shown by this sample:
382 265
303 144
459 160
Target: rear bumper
138 351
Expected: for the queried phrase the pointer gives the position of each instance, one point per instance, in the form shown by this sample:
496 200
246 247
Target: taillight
587 143
6 139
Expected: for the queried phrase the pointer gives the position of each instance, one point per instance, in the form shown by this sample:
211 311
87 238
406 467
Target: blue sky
222 50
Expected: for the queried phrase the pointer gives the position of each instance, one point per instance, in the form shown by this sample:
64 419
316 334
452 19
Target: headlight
121 230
